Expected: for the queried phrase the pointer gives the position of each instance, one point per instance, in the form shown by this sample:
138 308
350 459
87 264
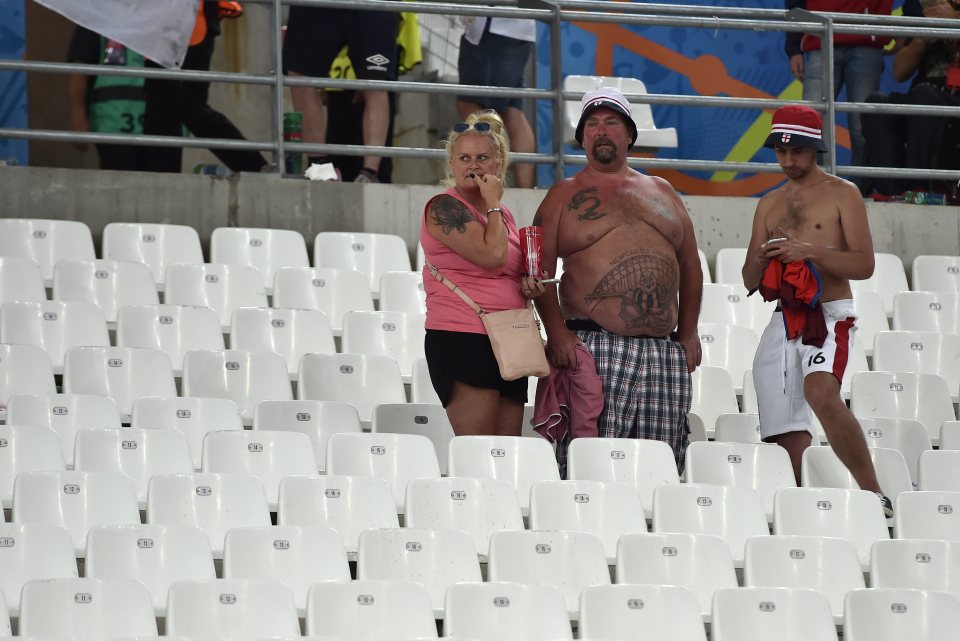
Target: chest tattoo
451 214
645 285
589 201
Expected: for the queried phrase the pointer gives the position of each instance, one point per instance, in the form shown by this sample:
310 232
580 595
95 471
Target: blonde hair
497 135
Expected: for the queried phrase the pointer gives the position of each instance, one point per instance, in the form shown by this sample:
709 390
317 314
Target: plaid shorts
647 389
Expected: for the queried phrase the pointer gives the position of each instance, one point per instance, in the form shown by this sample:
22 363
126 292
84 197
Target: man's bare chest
591 214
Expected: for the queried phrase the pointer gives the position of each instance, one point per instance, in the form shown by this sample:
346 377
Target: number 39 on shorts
816 359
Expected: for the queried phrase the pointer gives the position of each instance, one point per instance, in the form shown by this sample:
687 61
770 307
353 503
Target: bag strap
436 273
456 290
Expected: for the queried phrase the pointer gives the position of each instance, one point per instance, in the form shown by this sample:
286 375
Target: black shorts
468 358
498 61
315 37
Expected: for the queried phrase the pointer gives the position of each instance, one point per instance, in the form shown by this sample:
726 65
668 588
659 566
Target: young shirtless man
629 249
821 219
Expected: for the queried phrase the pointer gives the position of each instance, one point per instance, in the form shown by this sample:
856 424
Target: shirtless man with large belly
629 251
815 221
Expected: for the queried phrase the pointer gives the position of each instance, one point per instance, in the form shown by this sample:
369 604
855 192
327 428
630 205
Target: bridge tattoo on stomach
592 201
645 286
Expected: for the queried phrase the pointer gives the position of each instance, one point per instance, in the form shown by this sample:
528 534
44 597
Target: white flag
157 29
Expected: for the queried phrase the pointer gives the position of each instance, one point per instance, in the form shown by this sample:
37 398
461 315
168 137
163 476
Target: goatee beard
604 151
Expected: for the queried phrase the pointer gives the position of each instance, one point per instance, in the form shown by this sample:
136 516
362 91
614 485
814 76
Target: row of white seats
160 555
916 311
733 347
930 273
218 501
372 610
222 287
292 438
908 436
157 246
176 329
194 417
872 394
51 431
126 374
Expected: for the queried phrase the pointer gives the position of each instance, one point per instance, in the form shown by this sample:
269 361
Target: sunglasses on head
480 127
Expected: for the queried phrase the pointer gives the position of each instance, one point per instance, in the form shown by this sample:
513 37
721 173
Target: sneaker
366 175
887 505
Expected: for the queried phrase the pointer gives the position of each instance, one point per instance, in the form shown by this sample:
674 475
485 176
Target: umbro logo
378 62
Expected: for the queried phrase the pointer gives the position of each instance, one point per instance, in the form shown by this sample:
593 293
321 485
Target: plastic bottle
212 170
293 132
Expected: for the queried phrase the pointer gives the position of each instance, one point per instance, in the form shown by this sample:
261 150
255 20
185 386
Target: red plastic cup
531 241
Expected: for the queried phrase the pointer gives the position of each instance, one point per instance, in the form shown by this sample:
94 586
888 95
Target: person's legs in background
884 143
373 52
122 157
309 102
376 122
521 140
172 104
925 133
861 68
314 36
203 121
499 61
162 118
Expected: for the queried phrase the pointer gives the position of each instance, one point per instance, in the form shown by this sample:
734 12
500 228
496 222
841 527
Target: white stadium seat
267 250
246 378
759 614
370 254
155 244
124 374
223 288
316 419
46 241
88 609
172 329
76 501
155 555
65 414
236 609
331 291
288 332
53 325
108 284
192 417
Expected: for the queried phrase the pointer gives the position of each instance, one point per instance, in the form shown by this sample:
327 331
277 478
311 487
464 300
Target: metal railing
553 14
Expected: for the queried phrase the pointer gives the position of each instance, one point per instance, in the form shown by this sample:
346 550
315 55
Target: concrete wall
255 200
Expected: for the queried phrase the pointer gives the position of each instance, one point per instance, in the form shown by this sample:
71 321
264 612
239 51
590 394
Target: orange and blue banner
690 62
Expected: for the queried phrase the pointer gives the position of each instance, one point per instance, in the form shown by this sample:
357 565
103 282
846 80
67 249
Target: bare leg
509 417
309 102
376 122
822 391
467 108
794 443
521 140
474 410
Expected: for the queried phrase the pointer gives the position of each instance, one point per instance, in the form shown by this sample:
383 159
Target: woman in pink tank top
472 239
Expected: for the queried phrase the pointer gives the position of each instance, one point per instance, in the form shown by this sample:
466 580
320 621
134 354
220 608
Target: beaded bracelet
494 209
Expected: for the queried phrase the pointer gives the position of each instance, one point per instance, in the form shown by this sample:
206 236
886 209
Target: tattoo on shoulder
451 214
587 202
645 285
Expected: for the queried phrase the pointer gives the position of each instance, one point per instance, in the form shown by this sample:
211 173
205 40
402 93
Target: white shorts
780 366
